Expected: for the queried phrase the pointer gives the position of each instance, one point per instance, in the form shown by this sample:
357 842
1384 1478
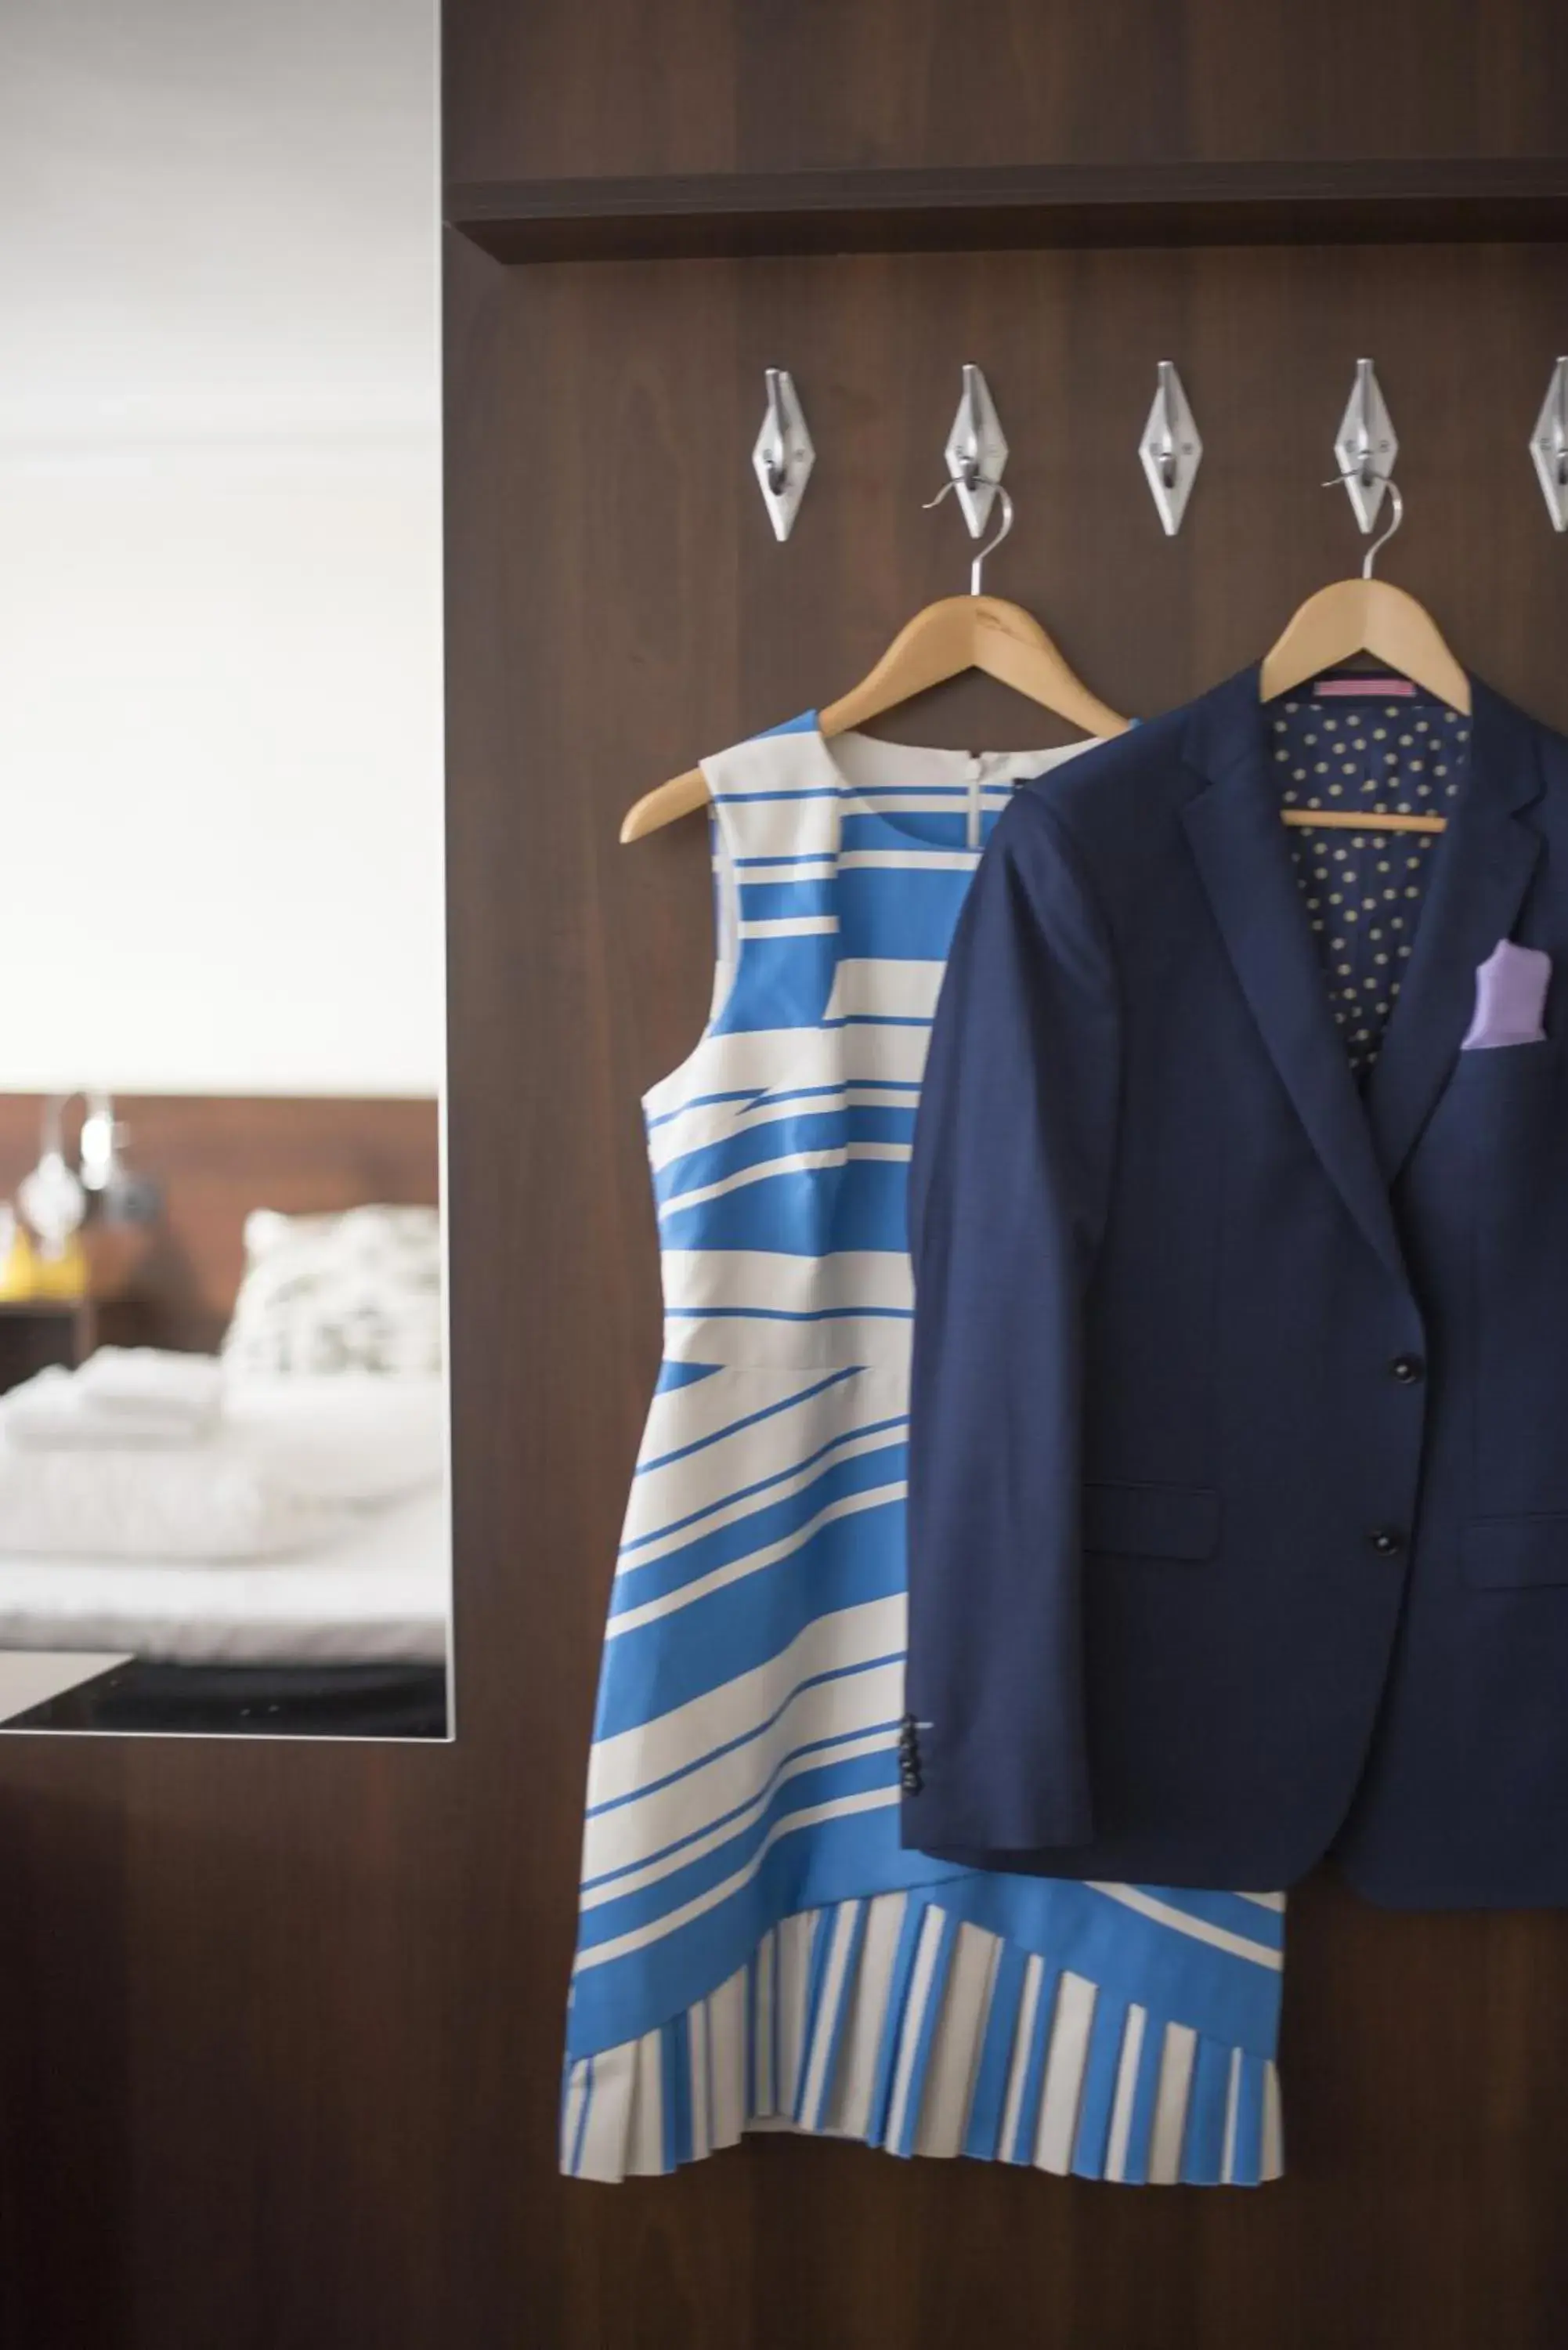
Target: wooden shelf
738 215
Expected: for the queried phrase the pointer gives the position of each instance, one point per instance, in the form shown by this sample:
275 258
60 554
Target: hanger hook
991 544
978 562
1397 503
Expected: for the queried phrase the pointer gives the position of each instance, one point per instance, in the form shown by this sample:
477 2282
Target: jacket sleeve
1012 1167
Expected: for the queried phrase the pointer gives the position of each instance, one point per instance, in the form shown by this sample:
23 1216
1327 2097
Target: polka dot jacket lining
1364 893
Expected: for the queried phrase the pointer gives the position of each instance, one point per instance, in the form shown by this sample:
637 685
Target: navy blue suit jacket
1239 1472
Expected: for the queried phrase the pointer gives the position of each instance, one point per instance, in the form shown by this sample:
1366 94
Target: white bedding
376 1593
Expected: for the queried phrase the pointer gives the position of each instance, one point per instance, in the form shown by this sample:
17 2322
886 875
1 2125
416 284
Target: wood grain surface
551 90
981 208
624 604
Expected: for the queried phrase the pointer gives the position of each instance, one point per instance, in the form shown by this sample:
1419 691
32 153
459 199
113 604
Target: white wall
218 546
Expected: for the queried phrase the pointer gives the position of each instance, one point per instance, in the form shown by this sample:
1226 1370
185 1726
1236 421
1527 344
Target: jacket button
1407 1369
1386 1541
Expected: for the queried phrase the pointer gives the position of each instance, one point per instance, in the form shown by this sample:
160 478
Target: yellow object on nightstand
17 1269
65 1275
26 1273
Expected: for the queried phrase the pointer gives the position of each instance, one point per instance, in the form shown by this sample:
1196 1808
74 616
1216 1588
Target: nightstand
37 1331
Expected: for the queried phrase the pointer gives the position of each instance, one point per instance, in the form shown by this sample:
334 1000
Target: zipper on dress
976 768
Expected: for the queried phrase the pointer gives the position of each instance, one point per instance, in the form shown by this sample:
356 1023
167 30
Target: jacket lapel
1243 858
1482 869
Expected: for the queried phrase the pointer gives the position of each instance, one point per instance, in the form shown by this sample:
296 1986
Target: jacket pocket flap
1152 1521
1510 1553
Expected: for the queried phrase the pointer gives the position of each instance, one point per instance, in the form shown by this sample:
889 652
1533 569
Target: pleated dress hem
890 2023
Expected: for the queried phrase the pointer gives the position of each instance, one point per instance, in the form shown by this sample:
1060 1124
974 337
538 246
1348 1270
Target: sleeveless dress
755 1948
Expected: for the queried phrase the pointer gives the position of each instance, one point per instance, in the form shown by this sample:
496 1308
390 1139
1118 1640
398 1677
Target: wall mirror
224 1500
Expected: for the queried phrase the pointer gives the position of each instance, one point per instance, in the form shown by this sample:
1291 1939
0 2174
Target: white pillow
358 1291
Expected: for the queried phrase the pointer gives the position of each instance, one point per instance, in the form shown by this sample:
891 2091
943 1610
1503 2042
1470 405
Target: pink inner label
1381 688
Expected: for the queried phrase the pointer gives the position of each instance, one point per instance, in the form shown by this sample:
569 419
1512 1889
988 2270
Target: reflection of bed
348 1633
349 1636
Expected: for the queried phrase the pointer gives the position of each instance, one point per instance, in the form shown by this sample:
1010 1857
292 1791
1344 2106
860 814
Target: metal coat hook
784 455
976 451
977 561
1365 444
1171 448
1549 446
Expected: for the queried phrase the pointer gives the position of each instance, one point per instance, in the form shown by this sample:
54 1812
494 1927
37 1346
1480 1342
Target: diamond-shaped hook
1171 448
1549 446
784 455
1366 444
976 451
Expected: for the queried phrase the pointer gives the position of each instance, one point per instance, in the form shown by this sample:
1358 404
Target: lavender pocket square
1510 998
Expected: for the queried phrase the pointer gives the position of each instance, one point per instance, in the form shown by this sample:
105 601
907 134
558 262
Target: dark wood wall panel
620 606
675 86
1015 207
613 610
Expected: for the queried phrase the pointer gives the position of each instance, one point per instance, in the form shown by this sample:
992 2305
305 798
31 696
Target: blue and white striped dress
756 1950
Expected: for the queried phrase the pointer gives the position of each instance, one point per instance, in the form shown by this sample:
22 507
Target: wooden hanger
955 634
1364 615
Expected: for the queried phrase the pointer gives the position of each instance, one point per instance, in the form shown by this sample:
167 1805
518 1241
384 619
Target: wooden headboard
216 1157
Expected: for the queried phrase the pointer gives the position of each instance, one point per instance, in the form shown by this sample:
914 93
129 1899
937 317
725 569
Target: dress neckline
981 770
